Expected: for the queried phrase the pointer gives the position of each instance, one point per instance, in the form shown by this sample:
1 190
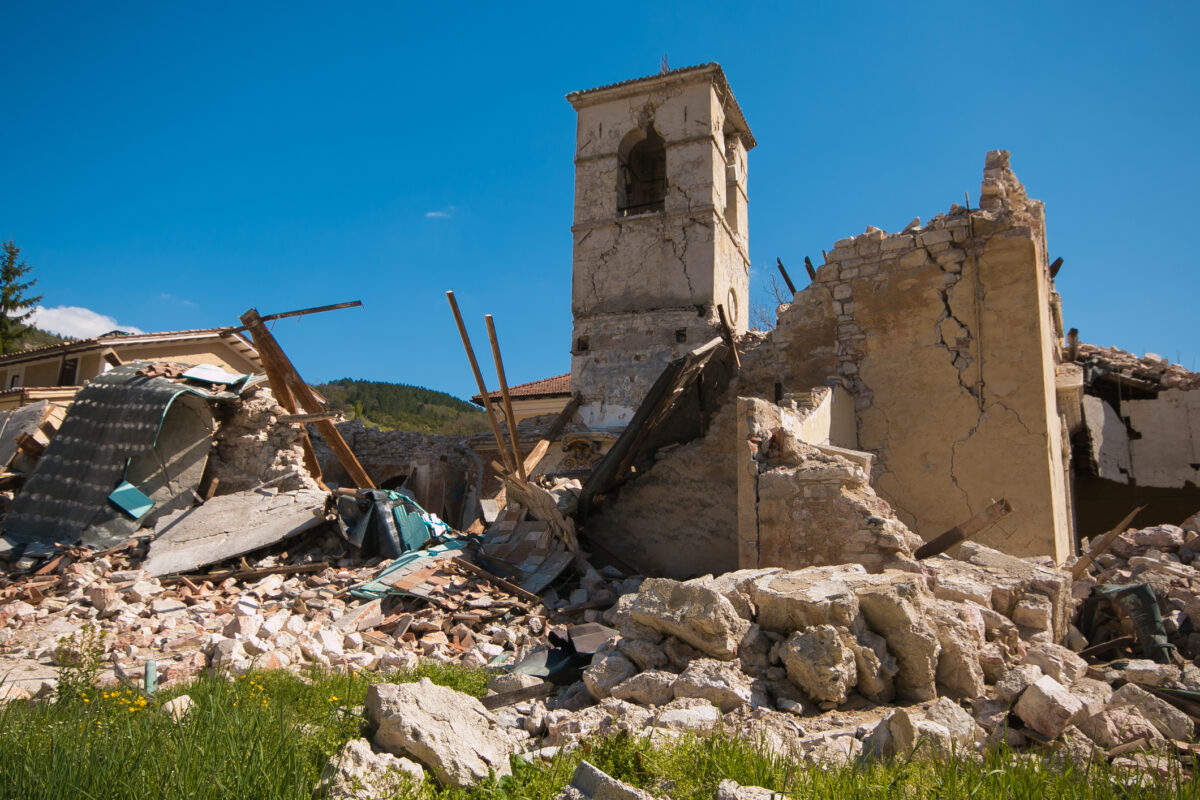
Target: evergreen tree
15 307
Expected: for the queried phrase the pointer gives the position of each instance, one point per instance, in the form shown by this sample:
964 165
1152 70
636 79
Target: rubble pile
290 609
254 448
1151 367
1163 562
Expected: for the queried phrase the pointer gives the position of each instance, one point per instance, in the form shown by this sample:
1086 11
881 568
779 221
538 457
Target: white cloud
76 322
445 213
170 298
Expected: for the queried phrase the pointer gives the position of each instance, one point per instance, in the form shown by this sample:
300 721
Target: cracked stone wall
646 285
945 335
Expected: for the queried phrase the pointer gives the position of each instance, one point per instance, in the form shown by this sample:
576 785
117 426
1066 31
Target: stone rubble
829 663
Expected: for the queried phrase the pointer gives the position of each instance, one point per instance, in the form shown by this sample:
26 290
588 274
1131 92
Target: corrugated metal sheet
113 423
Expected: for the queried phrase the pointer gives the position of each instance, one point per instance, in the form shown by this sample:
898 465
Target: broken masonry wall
645 283
803 502
945 335
949 352
1139 442
254 448
440 471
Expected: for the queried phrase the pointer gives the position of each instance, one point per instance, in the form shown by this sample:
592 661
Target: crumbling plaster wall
645 286
945 336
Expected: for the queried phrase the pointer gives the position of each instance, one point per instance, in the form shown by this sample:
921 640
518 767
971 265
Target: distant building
55 372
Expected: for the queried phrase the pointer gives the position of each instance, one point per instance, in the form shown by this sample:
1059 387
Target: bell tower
660 234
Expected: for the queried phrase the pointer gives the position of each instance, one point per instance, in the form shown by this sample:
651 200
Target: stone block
1047 707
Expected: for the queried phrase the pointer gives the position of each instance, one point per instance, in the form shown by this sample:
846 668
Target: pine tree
15 307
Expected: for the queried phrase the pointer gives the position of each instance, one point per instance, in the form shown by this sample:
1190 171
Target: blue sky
169 165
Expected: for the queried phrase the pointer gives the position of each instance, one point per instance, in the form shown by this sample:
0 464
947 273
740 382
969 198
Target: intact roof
120 338
558 386
718 74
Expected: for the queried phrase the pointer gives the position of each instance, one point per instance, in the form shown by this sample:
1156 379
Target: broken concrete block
1047 707
1114 726
652 688
819 662
721 683
512 681
964 732
894 609
1016 681
143 591
1093 694
177 707
1169 720
911 734
791 601
448 731
242 626
1150 673
692 612
876 667
606 671
167 605
360 618
732 790
961 635
103 597
357 772
589 783
688 715
1056 661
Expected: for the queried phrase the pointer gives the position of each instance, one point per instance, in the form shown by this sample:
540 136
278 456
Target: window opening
642 174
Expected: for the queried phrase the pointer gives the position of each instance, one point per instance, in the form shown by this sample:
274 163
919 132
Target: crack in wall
682 257
960 352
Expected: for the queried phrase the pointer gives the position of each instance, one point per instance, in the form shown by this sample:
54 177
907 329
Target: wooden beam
110 357
303 419
959 533
300 313
727 333
812 271
507 586
483 393
518 459
786 278
1100 546
276 362
503 699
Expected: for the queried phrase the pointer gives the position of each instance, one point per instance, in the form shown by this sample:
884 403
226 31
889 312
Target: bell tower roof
735 120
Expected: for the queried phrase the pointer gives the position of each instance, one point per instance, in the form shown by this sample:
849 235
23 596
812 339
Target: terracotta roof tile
546 387
718 74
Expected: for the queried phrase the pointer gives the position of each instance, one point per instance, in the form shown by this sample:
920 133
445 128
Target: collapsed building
934 359
834 537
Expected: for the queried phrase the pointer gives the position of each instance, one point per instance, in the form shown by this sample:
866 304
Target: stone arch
641 172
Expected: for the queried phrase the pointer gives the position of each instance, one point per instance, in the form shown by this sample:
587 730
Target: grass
269 735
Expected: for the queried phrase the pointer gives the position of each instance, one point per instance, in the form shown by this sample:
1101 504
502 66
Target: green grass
264 735
269 735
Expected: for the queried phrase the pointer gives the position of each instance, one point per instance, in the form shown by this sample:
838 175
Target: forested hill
400 406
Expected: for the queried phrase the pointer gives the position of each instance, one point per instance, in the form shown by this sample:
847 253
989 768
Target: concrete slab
231 525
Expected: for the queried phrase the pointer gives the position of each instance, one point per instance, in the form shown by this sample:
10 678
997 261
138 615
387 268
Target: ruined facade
660 237
945 338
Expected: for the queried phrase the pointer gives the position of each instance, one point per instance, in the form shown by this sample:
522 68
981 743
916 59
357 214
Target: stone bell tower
660 231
